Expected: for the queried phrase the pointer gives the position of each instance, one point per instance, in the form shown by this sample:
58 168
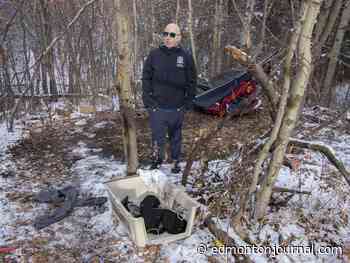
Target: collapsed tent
232 92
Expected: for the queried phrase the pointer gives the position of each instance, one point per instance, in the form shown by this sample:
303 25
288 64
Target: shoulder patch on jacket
180 62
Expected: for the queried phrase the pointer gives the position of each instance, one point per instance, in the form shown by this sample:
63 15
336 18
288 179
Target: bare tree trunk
134 6
5 29
326 22
92 61
178 10
220 15
251 194
281 111
46 39
263 28
93 73
323 17
329 91
153 25
26 56
6 102
332 18
216 57
70 74
127 102
46 51
247 34
44 78
5 70
193 47
298 87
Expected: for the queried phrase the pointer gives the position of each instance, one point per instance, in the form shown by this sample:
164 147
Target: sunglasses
171 34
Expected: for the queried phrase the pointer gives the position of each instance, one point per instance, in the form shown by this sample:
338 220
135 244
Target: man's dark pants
165 121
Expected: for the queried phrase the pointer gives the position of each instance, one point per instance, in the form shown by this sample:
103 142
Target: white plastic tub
171 197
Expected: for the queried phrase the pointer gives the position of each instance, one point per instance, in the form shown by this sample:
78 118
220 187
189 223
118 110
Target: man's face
171 36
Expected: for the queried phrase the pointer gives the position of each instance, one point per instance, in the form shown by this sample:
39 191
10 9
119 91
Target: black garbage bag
151 214
172 222
159 220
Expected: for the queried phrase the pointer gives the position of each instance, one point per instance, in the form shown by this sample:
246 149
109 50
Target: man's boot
156 157
176 168
156 163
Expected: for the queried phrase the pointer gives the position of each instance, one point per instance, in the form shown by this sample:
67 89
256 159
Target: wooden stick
277 189
258 72
224 237
324 125
327 151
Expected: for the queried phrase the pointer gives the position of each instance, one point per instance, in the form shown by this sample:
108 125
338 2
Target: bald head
171 41
172 27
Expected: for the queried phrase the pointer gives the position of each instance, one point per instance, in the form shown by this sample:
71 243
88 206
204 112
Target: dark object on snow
231 92
149 202
158 220
153 220
156 163
69 197
151 214
173 222
131 207
52 196
7 174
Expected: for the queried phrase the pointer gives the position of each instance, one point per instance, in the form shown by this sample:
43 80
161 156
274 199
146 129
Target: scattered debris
64 154
69 196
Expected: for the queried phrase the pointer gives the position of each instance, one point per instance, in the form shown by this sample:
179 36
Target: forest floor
87 150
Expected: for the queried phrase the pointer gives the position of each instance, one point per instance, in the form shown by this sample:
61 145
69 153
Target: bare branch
277 189
324 125
54 41
9 22
228 241
258 72
50 46
327 151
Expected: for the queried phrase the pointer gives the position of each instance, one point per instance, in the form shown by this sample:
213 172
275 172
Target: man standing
168 81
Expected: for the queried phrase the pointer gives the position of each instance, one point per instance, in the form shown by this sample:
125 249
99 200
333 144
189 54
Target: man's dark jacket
169 79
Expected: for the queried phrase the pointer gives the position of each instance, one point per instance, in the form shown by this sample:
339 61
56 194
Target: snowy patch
8 138
82 122
318 219
101 125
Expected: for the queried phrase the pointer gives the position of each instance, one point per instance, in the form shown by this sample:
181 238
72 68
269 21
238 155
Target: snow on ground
89 173
94 231
6 138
